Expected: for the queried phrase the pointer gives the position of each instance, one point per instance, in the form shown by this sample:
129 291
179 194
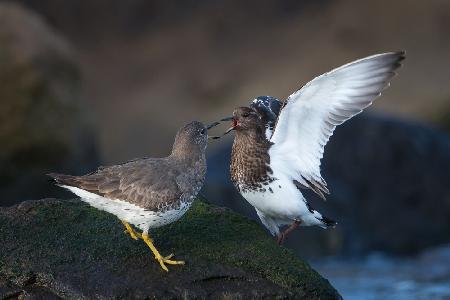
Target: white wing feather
312 113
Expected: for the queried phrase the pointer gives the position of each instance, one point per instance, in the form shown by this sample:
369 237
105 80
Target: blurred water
426 276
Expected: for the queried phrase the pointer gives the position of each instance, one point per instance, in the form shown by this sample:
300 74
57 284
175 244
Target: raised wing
312 113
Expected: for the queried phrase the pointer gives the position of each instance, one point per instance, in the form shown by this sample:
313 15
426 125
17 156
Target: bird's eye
203 131
245 115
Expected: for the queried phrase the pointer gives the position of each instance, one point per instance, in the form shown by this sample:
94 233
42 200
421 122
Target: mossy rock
64 248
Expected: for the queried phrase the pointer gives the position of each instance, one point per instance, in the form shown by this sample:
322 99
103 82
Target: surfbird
148 192
278 146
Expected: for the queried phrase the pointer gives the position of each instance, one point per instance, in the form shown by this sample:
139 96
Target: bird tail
328 223
61 179
323 221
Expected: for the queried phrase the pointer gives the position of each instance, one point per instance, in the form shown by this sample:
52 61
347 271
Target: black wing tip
401 55
396 59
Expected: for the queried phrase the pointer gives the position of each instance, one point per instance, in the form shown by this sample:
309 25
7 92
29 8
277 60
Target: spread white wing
312 113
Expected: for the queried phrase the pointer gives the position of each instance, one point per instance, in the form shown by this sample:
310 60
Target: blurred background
84 83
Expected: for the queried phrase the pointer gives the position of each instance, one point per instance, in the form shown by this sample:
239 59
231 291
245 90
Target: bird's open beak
209 126
233 126
230 118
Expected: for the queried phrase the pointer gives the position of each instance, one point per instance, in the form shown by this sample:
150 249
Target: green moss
57 235
219 235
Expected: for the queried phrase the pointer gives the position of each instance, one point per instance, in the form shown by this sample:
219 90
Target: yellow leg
134 235
161 259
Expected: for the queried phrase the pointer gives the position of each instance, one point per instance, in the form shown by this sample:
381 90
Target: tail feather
62 179
316 218
328 222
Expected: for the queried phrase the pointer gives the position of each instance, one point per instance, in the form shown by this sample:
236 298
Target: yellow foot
134 235
166 260
163 260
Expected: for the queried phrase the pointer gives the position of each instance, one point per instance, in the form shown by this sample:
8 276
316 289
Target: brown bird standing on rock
278 146
148 192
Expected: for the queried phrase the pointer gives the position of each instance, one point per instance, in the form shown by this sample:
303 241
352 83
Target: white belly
139 217
280 200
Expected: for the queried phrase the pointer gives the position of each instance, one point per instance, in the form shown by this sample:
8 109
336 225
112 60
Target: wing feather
312 113
147 183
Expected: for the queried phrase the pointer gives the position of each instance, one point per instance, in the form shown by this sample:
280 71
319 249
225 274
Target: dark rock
56 248
41 124
442 117
97 17
389 183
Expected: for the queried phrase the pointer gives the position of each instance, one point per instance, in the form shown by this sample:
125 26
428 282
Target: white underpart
304 127
133 214
311 114
284 205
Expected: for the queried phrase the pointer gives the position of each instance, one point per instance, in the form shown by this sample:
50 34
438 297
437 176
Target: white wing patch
312 113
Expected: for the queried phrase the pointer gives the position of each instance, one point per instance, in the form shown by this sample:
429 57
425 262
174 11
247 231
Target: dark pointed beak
215 137
229 118
209 126
229 130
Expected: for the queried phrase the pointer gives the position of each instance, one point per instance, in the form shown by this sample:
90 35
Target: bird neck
251 136
187 154
250 148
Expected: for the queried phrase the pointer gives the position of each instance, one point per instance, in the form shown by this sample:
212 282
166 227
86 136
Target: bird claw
166 260
163 260
169 256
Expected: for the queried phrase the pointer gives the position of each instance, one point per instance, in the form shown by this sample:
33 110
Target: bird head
191 137
267 107
244 118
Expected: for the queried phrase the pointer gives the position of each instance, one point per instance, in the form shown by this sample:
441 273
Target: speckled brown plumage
299 129
249 158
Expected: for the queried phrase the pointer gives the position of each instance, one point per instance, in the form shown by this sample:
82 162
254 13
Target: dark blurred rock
389 183
53 248
85 19
442 117
41 124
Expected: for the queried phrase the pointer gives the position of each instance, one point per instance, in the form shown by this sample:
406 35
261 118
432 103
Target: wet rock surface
65 249
389 184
